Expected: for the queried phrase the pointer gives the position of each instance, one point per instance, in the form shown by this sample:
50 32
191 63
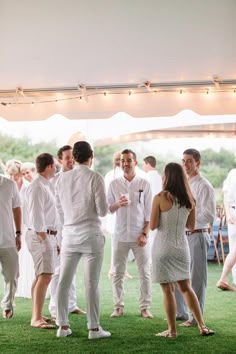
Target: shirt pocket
139 197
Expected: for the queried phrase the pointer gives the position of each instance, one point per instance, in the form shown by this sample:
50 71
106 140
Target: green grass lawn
130 333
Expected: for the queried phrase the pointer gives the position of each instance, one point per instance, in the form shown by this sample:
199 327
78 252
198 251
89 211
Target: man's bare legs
39 289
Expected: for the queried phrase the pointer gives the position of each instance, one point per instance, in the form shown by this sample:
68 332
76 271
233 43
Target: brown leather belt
49 232
188 233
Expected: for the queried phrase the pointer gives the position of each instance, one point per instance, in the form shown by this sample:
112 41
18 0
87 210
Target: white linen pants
10 271
232 245
72 301
142 258
198 246
92 270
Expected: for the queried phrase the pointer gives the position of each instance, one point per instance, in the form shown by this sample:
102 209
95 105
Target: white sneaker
99 334
64 332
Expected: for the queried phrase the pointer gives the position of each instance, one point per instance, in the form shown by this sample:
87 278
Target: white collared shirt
81 200
204 195
9 199
130 219
155 181
40 205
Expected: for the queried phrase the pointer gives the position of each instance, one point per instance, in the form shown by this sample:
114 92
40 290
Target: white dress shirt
41 205
204 195
9 199
155 181
81 199
130 219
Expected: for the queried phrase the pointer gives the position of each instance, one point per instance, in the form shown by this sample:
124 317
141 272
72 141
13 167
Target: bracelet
18 232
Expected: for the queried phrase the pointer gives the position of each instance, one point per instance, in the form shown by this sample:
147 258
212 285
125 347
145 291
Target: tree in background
22 149
215 165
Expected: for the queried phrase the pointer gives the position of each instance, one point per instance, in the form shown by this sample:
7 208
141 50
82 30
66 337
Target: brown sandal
205 331
167 334
7 313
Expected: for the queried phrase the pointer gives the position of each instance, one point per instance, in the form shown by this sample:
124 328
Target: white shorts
43 252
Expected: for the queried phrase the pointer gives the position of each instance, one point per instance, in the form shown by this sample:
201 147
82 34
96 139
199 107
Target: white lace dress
170 252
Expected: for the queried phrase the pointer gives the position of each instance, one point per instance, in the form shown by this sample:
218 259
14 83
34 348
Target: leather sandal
205 331
167 334
7 313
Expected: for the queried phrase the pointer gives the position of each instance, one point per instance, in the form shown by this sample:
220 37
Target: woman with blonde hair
173 210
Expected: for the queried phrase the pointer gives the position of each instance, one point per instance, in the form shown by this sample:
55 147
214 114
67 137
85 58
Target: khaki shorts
43 252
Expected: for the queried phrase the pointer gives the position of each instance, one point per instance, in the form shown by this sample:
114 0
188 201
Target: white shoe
64 332
99 334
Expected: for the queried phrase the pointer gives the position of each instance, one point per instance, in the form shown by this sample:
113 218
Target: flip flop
48 319
224 286
43 325
187 324
166 334
7 313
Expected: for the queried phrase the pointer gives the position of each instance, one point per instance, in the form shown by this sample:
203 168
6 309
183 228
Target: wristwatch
18 233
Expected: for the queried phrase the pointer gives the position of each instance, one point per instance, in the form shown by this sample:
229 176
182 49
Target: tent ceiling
59 45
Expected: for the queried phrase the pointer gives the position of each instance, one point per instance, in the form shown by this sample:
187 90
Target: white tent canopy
74 51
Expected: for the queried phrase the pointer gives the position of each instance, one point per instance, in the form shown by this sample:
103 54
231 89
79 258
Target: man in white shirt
129 196
153 176
41 235
10 241
198 239
155 181
66 160
81 200
229 189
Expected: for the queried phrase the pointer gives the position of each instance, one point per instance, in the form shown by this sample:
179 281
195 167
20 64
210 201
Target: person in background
81 200
230 209
155 181
10 241
199 238
110 218
129 196
174 209
66 161
28 171
41 234
229 190
26 267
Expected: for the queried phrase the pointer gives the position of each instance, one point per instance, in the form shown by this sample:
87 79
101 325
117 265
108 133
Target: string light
24 96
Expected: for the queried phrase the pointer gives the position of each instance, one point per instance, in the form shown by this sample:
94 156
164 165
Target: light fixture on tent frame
31 96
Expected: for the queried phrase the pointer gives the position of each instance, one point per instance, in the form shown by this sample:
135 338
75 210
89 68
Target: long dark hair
176 184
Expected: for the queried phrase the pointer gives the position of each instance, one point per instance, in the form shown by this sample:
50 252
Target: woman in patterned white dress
173 210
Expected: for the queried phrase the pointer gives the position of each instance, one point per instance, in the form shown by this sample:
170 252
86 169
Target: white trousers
10 271
72 305
232 246
92 270
142 258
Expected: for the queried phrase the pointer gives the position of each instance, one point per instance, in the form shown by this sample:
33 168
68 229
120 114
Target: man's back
81 200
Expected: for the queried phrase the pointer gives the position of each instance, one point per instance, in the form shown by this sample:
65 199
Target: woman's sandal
205 331
167 334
